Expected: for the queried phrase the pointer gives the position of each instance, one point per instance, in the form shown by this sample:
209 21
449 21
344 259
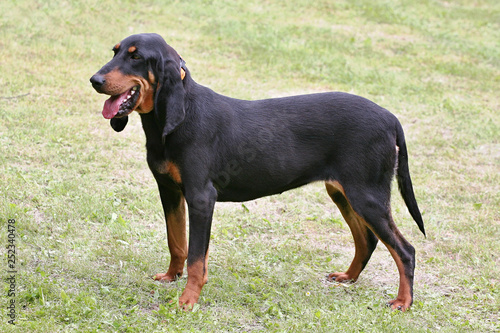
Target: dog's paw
401 305
188 300
341 277
166 277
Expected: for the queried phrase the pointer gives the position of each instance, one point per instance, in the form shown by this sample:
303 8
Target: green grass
90 232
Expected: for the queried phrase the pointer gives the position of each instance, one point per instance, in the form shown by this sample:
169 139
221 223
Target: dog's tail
404 180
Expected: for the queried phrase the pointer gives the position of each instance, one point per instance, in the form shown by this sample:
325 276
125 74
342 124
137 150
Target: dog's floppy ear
169 100
118 124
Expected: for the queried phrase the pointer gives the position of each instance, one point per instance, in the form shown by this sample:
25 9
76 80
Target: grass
90 231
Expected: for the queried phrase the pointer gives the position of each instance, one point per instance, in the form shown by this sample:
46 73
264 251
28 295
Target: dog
204 147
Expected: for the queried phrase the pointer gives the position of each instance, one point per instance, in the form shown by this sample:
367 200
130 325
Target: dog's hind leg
365 240
373 208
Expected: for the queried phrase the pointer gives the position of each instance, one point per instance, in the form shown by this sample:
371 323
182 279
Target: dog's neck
152 131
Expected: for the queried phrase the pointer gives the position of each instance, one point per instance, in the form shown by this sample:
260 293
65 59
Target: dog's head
145 74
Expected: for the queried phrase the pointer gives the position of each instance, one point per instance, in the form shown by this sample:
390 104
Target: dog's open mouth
121 105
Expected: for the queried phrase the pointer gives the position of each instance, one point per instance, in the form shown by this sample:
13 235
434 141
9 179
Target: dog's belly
245 194
255 181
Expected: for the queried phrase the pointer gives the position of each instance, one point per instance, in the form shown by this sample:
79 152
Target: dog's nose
97 81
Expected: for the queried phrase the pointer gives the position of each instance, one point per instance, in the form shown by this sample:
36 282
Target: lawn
81 207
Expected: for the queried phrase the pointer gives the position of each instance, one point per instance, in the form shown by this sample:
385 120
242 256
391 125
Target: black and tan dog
203 147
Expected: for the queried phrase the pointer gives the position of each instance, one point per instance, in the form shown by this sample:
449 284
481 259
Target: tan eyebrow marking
117 46
132 49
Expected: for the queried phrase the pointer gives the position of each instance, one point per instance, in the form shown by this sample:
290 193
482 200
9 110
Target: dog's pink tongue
112 106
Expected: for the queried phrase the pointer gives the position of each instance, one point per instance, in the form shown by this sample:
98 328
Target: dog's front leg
200 206
175 215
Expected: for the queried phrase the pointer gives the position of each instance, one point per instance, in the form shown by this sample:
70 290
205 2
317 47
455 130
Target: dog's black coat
225 149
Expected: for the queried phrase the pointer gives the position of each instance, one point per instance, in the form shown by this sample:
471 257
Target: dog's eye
135 56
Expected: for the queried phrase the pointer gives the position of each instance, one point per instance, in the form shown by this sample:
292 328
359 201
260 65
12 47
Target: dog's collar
183 68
